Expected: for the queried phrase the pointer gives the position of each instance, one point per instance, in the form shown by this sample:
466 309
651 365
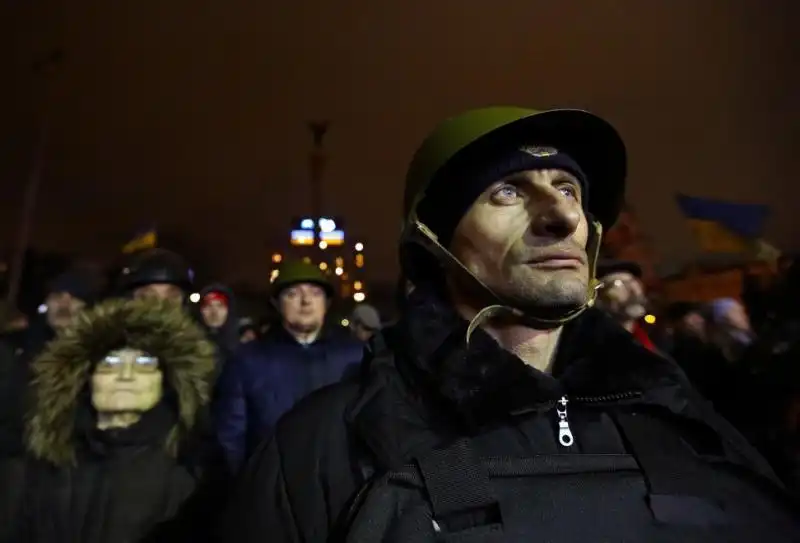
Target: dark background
192 114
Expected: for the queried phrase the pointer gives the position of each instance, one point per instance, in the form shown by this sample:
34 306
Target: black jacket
16 393
225 338
427 390
134 484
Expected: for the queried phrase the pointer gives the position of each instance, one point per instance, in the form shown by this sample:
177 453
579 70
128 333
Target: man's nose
126 371
554 216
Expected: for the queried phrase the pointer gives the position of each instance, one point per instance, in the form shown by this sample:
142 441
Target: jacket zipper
565 437
564 433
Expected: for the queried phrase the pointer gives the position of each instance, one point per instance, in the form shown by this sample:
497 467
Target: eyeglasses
144 363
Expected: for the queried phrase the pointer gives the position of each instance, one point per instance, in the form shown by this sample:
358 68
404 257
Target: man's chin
306 327
635 312
552 304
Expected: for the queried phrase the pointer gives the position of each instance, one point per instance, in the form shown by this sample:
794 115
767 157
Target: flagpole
34 181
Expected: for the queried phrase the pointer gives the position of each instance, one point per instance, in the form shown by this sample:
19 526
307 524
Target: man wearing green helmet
503 406
265 378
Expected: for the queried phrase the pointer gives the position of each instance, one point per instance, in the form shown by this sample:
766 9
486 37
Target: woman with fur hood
111 440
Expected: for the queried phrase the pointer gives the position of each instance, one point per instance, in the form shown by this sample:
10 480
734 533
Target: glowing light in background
359 246
302 237
359 297
327 225
194 297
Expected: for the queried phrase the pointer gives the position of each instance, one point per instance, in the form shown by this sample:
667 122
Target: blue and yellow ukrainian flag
144 239
724 227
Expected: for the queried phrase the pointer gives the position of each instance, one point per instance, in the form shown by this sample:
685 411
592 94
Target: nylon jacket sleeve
260 508
230 413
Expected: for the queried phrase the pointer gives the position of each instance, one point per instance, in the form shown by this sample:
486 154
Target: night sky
193 114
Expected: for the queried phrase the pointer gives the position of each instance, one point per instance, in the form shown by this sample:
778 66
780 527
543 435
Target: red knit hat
214 296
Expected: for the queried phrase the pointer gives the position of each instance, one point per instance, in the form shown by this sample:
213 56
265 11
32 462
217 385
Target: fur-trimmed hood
62 372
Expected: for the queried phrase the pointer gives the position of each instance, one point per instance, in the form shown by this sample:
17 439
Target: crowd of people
518 397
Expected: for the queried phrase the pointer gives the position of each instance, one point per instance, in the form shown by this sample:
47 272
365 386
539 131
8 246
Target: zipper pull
564 433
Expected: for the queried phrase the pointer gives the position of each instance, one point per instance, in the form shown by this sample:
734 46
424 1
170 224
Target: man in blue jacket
267 377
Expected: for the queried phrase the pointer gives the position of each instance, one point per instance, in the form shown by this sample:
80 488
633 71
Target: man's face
303 307
622 295
248 336
525 238
736 318
215 313
126 381
62 309
161 291
694 324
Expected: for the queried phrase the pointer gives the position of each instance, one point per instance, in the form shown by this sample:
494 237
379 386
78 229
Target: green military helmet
591 141
293 272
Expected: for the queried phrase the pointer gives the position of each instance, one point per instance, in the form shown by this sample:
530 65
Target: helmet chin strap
419 233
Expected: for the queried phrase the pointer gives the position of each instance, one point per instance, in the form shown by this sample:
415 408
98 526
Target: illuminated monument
323 240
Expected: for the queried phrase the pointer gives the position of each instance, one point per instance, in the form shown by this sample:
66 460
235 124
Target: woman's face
127 381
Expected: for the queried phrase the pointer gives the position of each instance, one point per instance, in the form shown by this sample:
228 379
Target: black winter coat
427 390
125 488
142 483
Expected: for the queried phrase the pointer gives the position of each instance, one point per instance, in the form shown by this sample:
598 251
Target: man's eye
506 193
569 190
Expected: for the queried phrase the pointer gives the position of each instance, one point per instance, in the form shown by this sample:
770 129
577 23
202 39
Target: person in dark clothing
267 377
110 438
10 421
503 406
622 296
68 295
217 307
248 330
773 362
365 322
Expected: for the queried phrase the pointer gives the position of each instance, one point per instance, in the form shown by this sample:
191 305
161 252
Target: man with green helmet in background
503 406
266 377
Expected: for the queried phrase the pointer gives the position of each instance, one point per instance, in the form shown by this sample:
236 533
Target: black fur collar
484 383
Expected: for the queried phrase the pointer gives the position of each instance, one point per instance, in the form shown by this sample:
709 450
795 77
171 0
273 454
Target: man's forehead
303 286
126 351
544 172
